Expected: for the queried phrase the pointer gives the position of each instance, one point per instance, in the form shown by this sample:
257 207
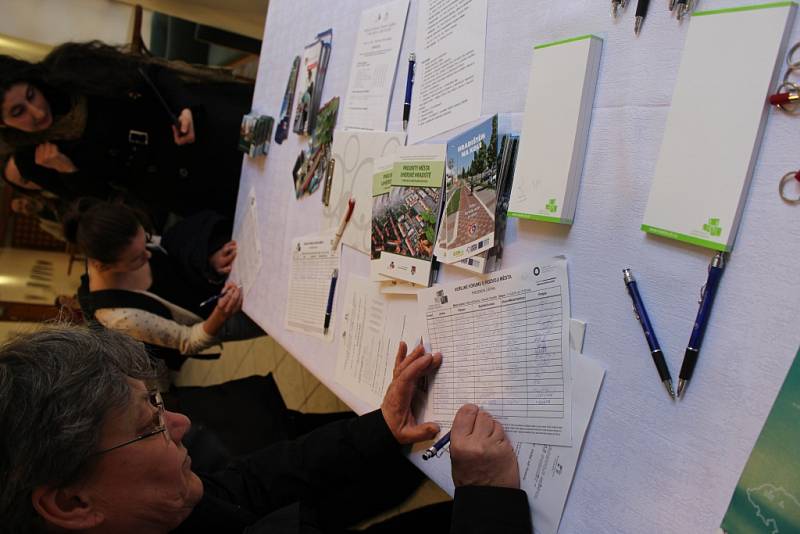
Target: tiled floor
299 388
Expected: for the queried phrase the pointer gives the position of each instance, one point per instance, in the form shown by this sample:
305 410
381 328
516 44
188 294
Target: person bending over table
154 293
88 447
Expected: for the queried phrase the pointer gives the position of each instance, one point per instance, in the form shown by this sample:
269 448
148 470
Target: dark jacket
316 484
127 146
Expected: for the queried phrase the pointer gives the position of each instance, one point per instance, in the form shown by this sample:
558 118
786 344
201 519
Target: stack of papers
710 144
505 341
555 129
506 338
508 346
477 184
405 219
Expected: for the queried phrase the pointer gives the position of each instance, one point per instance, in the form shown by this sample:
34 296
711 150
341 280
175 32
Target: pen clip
441 451
702 292
636 314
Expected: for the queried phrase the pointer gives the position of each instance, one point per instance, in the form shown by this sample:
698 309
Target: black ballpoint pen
649 333
707 295
412 65
641 13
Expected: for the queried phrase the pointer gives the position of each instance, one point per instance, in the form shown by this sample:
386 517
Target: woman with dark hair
154 294
93 120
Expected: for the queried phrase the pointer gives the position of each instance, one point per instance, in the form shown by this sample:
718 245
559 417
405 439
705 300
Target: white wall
56 21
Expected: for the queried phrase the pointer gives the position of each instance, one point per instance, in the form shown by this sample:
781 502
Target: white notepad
714 128
555 129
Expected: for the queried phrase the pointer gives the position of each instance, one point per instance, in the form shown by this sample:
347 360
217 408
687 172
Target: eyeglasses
159 423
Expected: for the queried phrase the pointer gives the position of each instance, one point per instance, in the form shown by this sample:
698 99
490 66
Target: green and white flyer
767 497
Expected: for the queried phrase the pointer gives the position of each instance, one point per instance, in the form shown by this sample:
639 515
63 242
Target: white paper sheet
448 85
372 72
248 251
546 471
505 342
577 332
372 326
355 154
313 263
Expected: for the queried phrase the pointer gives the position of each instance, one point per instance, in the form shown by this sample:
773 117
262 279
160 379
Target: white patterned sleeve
151 328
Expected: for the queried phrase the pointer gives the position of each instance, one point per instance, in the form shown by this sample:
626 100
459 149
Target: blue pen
214 298
436 447
329 307
707 295
412 62
649 333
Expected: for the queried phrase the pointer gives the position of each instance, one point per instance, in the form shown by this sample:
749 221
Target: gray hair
57 386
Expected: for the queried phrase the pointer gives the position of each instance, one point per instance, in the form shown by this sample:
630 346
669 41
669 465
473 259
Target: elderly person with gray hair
86 446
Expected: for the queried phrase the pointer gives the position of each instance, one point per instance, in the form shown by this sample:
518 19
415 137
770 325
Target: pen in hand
213 299
434 449
649 333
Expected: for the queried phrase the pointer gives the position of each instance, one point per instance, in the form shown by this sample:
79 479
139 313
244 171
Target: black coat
317 484
127 146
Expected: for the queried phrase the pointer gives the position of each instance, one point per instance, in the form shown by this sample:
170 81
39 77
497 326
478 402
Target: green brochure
767 497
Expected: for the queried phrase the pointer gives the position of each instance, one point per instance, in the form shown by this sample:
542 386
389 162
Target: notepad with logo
719 108
555 129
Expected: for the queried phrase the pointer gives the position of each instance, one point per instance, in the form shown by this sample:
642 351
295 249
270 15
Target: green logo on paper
551 205
713 228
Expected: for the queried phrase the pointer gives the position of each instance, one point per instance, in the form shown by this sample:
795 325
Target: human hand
222 260
396 406
48 155
480 452
230 303
185 135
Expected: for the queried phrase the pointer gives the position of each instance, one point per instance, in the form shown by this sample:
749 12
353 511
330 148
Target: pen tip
668 385
681 387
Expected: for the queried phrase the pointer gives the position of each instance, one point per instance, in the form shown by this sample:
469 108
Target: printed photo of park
471 190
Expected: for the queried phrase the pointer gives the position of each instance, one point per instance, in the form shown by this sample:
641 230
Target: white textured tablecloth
648 465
